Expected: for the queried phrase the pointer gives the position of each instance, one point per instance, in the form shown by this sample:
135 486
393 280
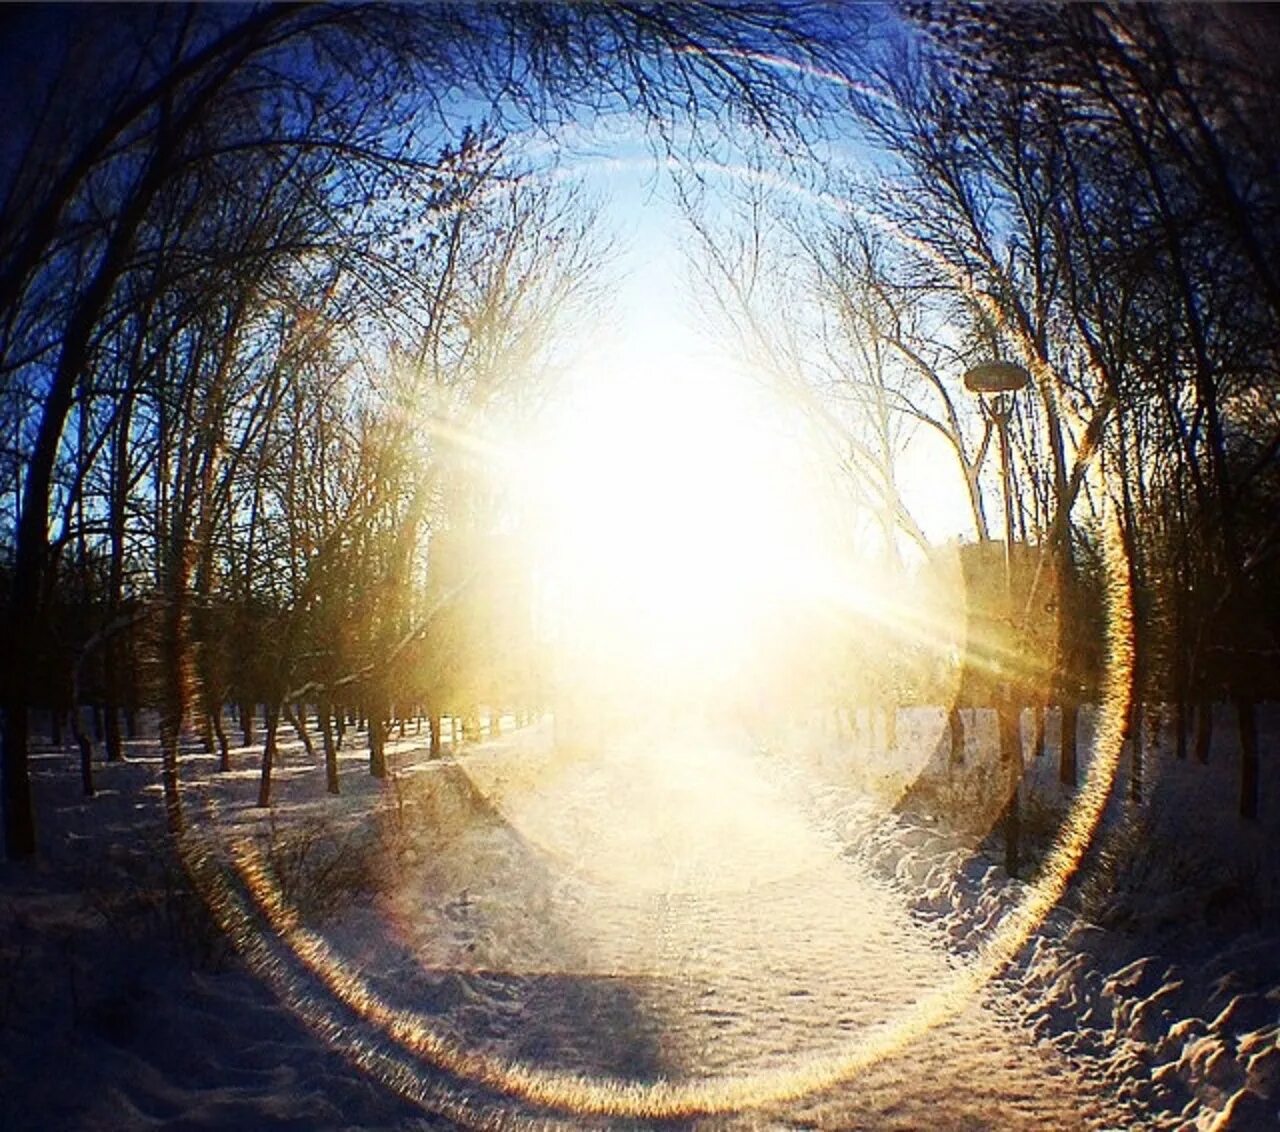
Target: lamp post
997 384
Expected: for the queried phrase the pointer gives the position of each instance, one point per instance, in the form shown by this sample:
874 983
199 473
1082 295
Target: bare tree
95 180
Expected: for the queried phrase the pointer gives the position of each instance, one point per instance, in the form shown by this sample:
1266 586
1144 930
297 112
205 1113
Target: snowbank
1161 974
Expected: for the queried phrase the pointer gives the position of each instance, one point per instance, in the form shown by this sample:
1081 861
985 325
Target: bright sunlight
685 524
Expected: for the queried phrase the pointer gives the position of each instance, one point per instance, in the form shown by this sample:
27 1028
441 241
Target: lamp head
996 377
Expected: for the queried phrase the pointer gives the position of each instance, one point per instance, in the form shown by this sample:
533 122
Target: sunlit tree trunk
1010 763
1038 727
955 725
377 741
296 715
173 700
213 711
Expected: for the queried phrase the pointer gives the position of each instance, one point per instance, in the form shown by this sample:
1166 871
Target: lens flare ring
269 934
237 885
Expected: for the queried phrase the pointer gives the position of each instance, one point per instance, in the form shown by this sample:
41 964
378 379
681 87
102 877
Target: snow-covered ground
1159 972
678 931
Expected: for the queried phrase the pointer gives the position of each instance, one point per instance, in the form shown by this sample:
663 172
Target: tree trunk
173 697
325 711
115 652
268 754
170 730
1065 682
85 744
115 744
206 733
1010 760
246 722
297 720
377 744
172 710
1068 765
955 723
214 710
1204 728
1137 713
19 814
434 724
1039 712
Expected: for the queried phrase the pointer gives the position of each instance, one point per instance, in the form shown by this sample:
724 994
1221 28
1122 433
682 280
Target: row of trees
266 299
1090 192
270 292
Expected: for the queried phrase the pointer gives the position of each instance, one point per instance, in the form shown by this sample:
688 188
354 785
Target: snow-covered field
680 931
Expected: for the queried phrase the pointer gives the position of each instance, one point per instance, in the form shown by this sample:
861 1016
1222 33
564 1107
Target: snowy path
672 913
720 931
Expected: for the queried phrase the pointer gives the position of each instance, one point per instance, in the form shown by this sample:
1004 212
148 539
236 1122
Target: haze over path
669 909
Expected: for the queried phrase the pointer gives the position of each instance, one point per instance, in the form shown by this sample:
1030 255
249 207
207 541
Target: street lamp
997 384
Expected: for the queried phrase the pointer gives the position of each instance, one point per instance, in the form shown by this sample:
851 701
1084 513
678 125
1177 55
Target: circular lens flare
276 944
681 544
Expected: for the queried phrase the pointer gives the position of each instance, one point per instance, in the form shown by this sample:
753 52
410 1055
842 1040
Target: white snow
712 925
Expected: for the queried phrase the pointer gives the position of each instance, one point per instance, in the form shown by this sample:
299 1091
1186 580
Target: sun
683 519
